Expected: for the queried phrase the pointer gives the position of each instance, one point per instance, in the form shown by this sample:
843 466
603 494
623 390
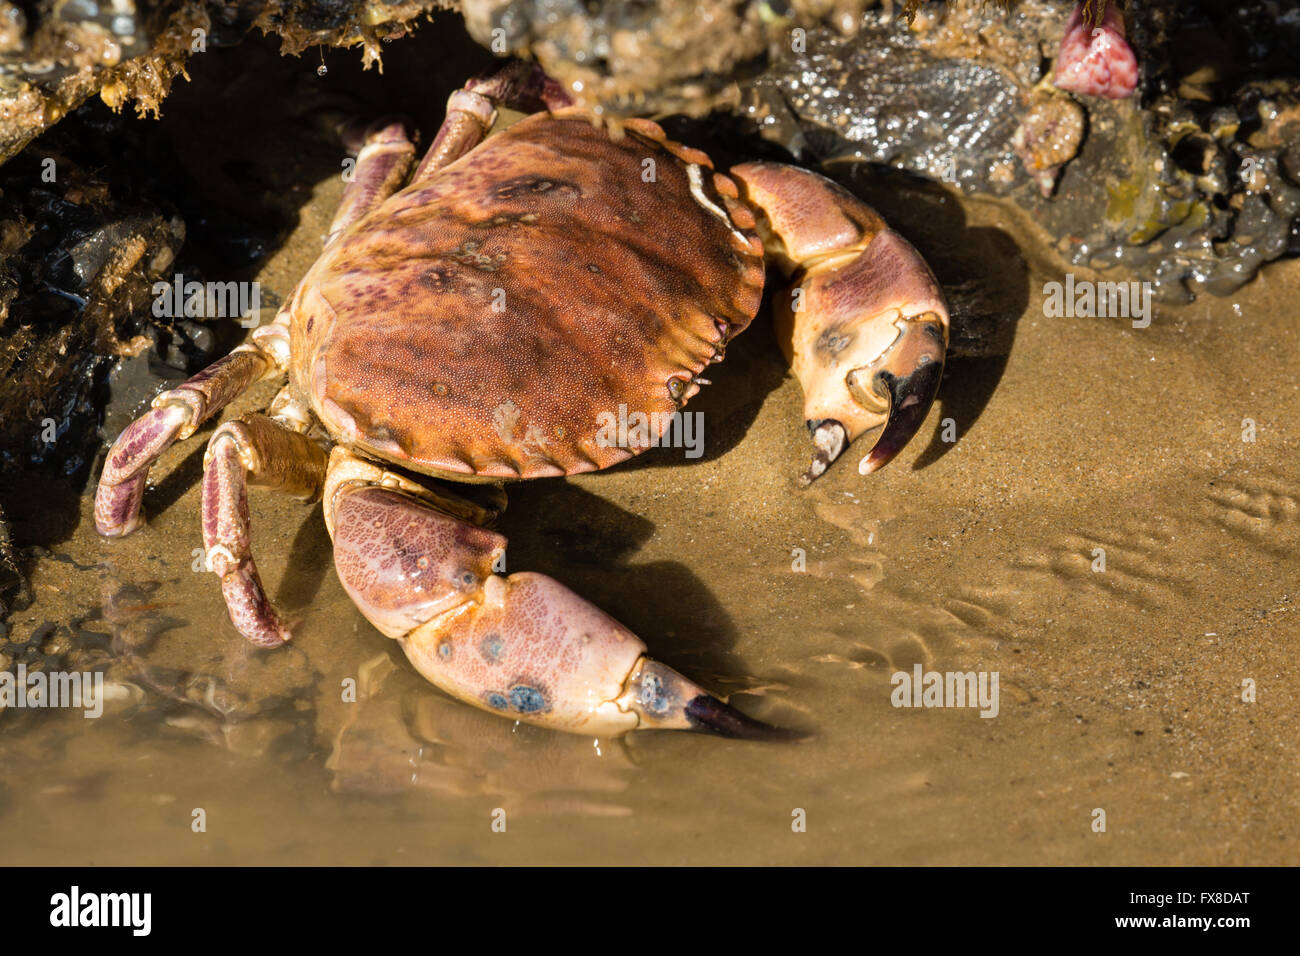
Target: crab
474 321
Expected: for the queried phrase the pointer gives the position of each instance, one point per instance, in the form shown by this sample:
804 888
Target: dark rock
1184 185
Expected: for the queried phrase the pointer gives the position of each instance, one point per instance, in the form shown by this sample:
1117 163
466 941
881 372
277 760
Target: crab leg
260 451
522 646
175 416
384 151
864 322
384 158
472 110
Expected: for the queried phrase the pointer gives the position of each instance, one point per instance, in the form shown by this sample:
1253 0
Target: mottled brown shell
481 322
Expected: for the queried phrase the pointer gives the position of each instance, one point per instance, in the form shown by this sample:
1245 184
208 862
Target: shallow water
1120 689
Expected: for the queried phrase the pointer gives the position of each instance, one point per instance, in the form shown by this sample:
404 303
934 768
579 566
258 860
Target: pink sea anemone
1096 60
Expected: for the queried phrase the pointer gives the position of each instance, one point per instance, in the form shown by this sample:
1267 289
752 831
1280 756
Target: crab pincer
863 323
523 646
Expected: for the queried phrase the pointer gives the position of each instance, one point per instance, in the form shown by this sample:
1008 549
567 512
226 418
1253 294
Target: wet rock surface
56 54
617 57
1190 185
78 255
628 57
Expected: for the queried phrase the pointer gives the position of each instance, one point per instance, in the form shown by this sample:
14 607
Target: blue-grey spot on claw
527 700
654 697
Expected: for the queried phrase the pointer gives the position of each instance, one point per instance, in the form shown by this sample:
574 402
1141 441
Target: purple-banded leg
523 647
252 450
472 110
864 323
386 153
175 416
384 150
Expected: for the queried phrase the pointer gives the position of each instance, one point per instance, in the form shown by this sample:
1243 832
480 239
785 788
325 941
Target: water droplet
322 70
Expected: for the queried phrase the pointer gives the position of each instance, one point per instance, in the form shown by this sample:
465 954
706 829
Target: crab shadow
984 276
728 406
579 538
301 584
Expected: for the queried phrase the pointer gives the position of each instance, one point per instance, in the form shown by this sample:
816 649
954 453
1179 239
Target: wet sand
1120 689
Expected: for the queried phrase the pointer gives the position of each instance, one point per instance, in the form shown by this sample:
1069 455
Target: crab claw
524 646
907 378
864 323
663 699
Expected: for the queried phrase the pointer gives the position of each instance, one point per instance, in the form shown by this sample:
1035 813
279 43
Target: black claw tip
710 715
910 398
